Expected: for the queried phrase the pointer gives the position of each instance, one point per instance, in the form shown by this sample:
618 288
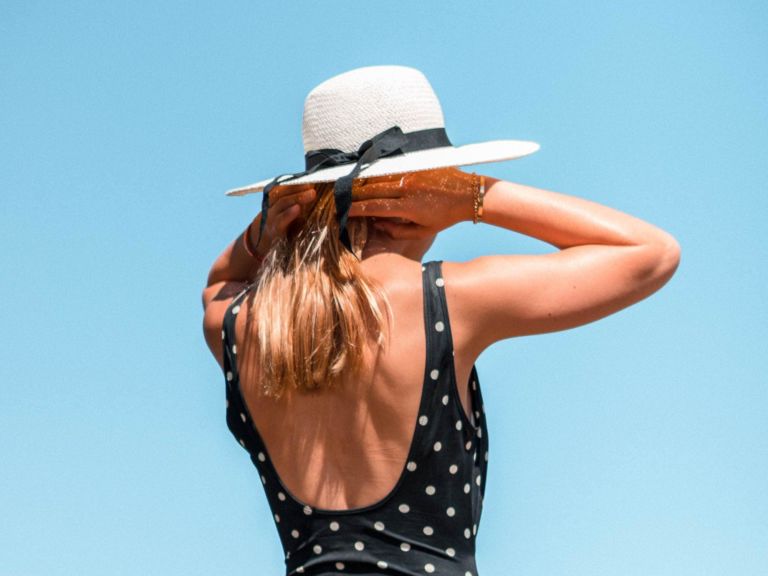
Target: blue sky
636 445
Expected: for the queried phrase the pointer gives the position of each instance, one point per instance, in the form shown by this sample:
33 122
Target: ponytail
314 312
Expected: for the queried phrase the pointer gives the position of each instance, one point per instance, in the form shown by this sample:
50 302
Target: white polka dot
381 564
317 549
430 490
229 376
339 565
468 445
428 530
334 526
467 488
474 384
295 533
411 466
423 269
423 420
474 529
281 496
223 336
451 511
467 573
241 442
438 446
445 400
307 510
263 480
453 469
359 546
439 326
404 508
300 569
451 552
478 480
435 374
261 456
379 526
288 555
234 348
405 546
486 456
242 416
440 282
479 432
236 309
467 533
277 518
458 425
429 568
477 414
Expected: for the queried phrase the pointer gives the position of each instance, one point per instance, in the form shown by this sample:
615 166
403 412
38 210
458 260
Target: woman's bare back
346 447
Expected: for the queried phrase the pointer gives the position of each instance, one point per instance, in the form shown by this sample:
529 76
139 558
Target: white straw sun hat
376 121
347 110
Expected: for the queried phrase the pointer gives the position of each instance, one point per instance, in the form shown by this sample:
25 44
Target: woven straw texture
346 110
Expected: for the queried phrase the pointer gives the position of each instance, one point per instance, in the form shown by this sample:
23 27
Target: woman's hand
415 204
285 205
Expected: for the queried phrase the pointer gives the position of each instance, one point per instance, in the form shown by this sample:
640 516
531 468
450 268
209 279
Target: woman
350 364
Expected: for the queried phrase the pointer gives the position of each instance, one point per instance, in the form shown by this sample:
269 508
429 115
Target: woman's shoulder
216 299
394 273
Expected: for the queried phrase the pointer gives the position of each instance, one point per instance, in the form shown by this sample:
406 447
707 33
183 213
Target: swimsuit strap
238 417
440 356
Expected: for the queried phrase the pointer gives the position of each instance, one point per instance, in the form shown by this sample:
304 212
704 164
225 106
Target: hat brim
480 153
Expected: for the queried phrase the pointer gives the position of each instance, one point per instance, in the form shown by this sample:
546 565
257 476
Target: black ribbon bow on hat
390 142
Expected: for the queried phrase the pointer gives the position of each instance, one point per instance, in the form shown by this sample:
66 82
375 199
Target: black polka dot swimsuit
428 523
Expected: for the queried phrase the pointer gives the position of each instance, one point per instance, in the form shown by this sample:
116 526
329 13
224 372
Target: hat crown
348 109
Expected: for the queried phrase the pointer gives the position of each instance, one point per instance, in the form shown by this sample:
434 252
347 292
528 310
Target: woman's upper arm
498 297
216 299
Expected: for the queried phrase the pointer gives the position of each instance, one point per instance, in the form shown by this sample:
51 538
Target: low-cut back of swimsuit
428 522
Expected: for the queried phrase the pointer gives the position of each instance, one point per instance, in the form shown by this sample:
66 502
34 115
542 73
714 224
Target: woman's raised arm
607 260
236 267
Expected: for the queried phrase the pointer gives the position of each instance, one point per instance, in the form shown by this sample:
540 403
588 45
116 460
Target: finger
386 207
279 192
288 200
387 178
368 191
292 192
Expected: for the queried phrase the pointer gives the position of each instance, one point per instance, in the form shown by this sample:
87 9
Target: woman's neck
380 243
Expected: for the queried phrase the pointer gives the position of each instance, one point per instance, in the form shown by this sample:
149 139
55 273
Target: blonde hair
314 312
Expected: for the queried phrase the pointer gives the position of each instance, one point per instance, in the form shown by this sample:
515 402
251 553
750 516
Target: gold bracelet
481 197
475 198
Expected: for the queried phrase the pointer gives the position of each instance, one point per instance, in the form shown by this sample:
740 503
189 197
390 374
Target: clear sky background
637 445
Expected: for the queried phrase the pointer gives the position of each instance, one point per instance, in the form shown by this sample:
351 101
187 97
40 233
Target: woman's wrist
462 192
236 263
478 193
477 210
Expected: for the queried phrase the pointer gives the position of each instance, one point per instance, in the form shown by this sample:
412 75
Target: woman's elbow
660 261
669 254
